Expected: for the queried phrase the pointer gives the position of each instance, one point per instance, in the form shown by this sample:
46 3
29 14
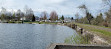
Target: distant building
67 19
23 18
37 18
26 18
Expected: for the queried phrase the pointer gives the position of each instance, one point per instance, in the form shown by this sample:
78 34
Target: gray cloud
62 7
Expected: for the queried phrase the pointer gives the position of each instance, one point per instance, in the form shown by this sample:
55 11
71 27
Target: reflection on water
28 36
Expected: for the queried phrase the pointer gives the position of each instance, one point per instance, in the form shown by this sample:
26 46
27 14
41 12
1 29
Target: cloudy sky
62 7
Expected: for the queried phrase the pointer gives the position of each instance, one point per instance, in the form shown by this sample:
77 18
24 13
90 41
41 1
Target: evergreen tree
33 18
62 18
72 18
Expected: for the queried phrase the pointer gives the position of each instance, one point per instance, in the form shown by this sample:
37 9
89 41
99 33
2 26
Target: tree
13 16
44 15
2 16
99 19
84 8
89 17
26 8
3 10
53 16
108 16
72 18
28 13
77 16
107 22
18 14
33 18
107 2
8 16
62 18
85 20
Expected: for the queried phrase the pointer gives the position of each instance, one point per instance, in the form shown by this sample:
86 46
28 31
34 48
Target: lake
30 36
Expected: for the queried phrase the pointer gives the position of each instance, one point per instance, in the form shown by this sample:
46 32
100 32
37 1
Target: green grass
92 25
107 33
104 33
76 40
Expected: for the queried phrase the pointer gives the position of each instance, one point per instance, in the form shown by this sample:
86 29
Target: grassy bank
78 39
101 31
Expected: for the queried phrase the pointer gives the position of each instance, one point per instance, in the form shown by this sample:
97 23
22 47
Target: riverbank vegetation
77 39
99 25
104 32
102 19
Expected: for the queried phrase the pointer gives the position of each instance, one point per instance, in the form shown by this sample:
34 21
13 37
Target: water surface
29 36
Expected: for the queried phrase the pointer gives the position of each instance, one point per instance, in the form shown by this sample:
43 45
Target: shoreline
95 39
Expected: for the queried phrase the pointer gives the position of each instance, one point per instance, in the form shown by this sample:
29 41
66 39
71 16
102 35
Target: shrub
110 25
105 24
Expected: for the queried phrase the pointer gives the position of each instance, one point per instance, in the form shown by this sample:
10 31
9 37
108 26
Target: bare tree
88 15
53 16
3 11
77 16
18 13
26 9
30 12
83 7
107 2
44 15
108 14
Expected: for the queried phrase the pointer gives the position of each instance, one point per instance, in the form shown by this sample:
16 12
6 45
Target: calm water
29 36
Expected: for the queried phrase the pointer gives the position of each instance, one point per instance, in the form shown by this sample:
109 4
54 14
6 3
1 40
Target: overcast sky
62 7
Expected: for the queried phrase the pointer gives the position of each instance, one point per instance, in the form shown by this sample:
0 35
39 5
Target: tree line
98 20
27 14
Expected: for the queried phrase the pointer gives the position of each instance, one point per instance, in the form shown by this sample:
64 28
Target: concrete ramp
80 46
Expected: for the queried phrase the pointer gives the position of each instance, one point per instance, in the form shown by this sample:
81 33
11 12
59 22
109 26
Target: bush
105 24
110 25
93 22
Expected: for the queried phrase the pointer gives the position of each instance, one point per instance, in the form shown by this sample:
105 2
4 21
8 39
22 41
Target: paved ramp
81 46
